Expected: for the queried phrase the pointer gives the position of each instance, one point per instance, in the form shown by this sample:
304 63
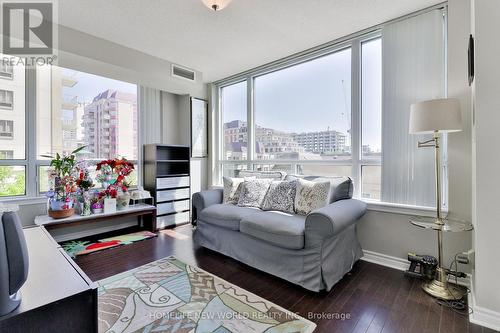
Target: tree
12 182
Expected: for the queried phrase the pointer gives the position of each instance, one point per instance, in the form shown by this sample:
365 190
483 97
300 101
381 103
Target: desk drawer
172 182
169 220
170 195
172 207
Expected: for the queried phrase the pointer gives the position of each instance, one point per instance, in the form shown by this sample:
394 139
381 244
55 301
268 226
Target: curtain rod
327 45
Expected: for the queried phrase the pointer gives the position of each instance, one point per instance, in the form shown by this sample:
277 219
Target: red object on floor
97 246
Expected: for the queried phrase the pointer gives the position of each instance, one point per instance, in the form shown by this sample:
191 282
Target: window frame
356 160
31 162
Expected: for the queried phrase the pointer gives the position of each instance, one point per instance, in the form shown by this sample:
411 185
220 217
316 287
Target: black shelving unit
167 177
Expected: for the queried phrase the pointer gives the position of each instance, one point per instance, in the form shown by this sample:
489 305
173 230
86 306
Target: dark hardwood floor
376 298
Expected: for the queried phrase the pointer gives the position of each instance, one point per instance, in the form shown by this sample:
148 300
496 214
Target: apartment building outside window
6 129
6 99
6 154
71 109
6 71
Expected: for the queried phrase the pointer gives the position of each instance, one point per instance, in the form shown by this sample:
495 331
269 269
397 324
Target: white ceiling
246 34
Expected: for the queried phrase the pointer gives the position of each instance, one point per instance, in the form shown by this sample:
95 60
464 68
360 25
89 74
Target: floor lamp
435 117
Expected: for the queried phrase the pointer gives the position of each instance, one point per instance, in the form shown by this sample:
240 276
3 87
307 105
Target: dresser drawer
172 182
169 195
169 220
171 207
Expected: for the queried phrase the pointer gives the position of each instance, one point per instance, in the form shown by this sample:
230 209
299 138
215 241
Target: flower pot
62 213
123 201
109 205
59 204
96 210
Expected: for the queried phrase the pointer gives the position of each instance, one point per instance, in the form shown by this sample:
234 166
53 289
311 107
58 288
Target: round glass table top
447 224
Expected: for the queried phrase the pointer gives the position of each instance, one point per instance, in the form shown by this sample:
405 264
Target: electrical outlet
467 258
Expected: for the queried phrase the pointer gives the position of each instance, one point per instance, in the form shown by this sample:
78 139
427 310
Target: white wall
486 162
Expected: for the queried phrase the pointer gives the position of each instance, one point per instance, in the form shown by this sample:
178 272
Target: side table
439 287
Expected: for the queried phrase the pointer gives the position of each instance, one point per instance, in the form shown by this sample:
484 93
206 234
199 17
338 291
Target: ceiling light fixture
216 5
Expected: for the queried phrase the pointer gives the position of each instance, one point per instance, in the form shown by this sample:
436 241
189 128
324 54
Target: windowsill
393 208
24 200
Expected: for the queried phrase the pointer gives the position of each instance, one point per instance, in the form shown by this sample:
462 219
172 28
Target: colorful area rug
77 248
170 296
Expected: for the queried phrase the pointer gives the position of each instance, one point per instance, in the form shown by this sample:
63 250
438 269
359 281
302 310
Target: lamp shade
437 115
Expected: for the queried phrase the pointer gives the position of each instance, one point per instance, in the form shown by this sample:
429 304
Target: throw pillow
253 192
311 196
232 189
281 196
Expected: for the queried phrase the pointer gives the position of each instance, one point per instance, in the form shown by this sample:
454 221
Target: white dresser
167 177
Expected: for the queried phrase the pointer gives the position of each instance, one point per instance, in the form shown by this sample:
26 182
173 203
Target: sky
314 96
89 85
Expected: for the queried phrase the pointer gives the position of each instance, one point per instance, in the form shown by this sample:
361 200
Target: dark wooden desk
57 297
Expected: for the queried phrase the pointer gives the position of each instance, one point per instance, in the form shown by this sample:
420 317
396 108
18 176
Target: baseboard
399 264
482 316
385 260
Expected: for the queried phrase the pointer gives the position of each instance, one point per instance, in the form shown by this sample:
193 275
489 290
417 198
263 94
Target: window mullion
31 168
356 114
250 120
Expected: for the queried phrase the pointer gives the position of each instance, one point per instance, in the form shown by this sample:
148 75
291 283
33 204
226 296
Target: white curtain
150 114
413 69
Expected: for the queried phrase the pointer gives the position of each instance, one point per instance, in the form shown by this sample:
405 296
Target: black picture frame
199 115
470 60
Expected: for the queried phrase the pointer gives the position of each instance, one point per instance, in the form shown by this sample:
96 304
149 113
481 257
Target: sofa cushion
281 196
253 192
278 228
340 187
311 195
225 215
232 189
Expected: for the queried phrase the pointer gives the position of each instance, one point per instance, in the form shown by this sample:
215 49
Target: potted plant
96 207
112 174
63 184
84 183
109 196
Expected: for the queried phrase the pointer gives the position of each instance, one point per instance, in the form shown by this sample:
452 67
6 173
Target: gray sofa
313 251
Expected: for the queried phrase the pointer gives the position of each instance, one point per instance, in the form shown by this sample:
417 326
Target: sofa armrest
203 199
330 220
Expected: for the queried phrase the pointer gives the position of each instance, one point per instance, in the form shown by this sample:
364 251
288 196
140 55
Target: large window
13 164
303 112
371 118
300 119
72 109
342 110
80 109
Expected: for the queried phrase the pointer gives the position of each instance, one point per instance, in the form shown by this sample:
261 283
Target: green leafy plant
63 174
63 165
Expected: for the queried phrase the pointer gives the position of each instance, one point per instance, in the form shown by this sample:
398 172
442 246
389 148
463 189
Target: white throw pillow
253 192
281 196
311 196
232 189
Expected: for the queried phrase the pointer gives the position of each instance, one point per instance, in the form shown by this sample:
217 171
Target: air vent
183 73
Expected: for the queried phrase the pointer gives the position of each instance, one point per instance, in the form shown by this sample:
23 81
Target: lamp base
440 288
